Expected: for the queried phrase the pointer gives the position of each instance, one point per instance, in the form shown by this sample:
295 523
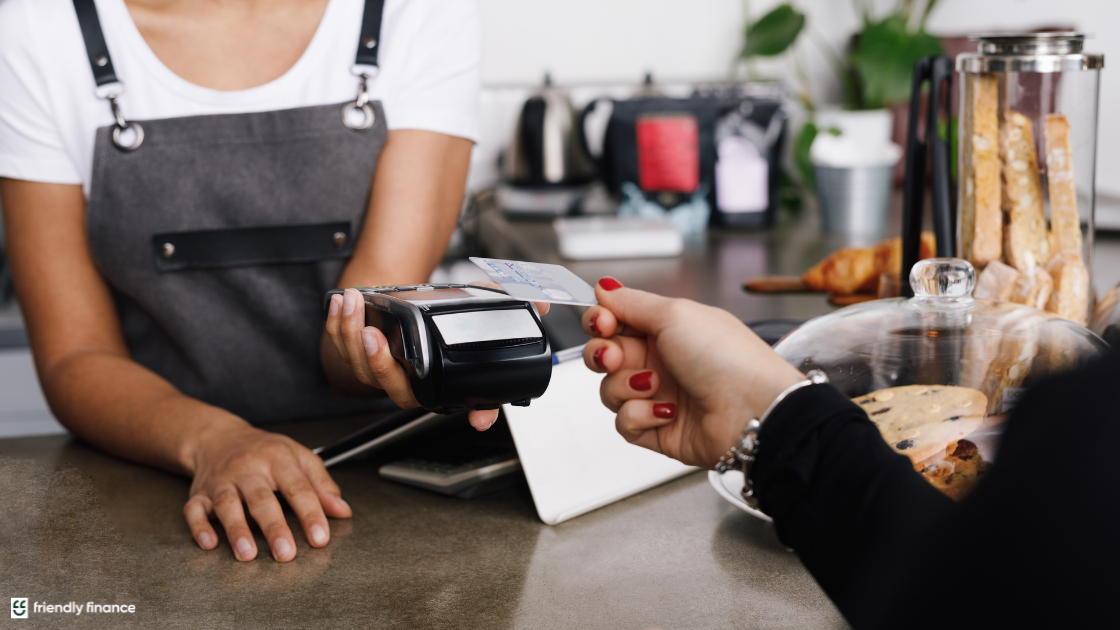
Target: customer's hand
243 464
365 349
684 378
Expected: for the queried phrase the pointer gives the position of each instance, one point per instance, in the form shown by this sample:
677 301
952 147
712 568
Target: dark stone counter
81 526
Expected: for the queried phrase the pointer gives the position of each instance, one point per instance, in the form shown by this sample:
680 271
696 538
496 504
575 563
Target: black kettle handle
531 137
938 72
581 134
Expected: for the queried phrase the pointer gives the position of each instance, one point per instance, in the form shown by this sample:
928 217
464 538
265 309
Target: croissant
857 269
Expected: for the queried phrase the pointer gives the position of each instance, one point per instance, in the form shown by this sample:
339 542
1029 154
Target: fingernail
281 547
609 283
334 306
318 535
664 410
369 341
594 324
244 548
205 540
641 381
344 503
349 302
598 357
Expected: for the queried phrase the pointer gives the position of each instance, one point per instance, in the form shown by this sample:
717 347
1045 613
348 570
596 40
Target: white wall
607 40
619 40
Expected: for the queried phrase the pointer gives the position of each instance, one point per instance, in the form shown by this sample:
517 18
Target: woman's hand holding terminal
366 351
684 378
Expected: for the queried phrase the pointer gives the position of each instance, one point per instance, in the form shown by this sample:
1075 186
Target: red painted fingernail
609 283
598 357
641 381
664 410
593 325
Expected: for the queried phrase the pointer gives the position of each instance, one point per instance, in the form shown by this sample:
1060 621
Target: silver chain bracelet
741 456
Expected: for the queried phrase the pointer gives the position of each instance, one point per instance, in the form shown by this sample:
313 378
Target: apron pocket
243 247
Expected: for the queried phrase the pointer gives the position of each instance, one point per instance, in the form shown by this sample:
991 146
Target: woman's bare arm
104 397
92 385
417 194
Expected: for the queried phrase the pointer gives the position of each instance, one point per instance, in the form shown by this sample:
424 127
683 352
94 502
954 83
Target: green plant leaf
801 145
773 33
791 195
948 132
885 59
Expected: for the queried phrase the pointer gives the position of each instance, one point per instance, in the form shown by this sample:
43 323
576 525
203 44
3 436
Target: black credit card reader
463 346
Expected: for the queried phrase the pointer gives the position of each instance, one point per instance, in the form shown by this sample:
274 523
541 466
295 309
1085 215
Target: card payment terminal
463 346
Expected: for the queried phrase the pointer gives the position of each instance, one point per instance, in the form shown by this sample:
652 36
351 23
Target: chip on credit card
538 282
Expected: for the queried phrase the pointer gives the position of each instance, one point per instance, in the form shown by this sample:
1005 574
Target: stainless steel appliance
547 149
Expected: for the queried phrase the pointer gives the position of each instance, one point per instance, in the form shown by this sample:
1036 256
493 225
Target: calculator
465 473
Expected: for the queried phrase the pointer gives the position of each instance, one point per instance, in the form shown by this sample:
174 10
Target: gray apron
219 236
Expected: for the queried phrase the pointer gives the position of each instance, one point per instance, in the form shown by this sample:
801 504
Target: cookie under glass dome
938 373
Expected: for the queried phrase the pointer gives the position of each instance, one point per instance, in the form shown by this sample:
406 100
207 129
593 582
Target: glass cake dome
938 373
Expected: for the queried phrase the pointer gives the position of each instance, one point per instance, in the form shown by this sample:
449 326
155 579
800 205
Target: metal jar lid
1029 52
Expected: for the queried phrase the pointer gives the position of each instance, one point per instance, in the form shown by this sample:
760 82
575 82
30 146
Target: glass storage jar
1026 168
939 372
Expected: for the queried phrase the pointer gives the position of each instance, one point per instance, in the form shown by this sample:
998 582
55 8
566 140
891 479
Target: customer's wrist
752 404
742 455
767 395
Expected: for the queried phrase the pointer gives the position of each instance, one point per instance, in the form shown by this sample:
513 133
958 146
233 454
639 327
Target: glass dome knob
943 278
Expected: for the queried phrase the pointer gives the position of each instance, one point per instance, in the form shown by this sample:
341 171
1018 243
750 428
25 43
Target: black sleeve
837 492
1035 543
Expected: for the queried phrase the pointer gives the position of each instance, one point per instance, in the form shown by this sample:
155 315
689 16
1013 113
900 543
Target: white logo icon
19 608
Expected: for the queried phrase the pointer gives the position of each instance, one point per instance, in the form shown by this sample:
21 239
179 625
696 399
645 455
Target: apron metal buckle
361 104
121 138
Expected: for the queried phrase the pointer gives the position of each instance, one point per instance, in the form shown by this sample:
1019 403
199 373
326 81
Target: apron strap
109 87
98 52
127 136
358 115
370 40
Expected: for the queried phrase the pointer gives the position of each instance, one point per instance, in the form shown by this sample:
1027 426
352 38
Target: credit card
538 282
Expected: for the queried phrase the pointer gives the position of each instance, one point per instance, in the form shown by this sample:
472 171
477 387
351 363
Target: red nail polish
598 357
641 381
609 283
593 325
664 410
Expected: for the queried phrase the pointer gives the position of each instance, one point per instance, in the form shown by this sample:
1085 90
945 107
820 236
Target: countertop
81 526
77 525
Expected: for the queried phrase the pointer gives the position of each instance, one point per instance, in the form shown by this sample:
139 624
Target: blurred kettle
548 147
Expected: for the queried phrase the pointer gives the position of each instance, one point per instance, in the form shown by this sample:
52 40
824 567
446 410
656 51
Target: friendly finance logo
19 608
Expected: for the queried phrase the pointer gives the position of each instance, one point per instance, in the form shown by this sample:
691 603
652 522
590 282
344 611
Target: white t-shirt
429 78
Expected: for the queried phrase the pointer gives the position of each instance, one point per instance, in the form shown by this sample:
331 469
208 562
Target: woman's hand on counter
366 351
684 378
241 466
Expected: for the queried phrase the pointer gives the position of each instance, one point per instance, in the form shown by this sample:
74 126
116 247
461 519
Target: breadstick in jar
1025 234
981 215
1064 221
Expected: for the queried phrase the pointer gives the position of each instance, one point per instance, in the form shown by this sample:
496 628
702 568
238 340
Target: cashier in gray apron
190 305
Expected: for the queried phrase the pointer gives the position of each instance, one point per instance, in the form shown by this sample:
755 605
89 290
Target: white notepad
573 458
601 238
